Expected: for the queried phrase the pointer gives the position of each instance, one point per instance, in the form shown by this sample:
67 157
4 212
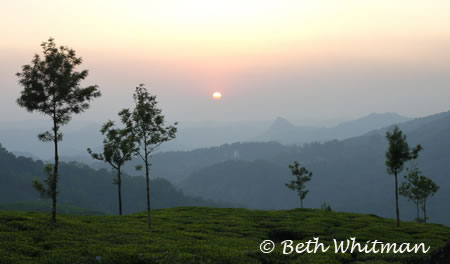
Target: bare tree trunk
425 211
417 210
147 178
119 186
55 172
396 200
301 203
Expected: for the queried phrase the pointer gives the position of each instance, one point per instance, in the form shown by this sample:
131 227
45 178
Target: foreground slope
43 207
203 235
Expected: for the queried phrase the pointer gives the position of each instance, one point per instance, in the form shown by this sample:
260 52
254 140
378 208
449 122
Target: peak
281 123
281 120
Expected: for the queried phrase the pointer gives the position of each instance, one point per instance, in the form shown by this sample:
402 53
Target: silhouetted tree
85 187
148 125
397 154
410 189
52 87
302 176
118 147
428 188
326 207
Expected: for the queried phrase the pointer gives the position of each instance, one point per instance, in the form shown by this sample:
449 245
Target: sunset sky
303 60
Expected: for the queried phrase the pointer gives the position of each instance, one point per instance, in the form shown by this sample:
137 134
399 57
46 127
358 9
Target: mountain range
286 133
349 174
21 136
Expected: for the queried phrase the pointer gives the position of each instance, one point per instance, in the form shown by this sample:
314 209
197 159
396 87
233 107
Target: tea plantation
203 235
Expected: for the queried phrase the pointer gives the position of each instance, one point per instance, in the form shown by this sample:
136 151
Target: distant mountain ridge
438 120
21 137
287 133
349 174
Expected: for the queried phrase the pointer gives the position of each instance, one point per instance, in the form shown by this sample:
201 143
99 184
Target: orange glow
205 39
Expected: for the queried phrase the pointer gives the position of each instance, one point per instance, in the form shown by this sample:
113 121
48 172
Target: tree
302 176
118 147
418 189
397 154
326 207
411 190
427 188
52 87
148 125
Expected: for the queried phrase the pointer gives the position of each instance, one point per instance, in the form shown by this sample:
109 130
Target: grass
44 207
202 235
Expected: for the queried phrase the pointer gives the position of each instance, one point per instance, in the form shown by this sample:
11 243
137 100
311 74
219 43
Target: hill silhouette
84 187
286 133
349 174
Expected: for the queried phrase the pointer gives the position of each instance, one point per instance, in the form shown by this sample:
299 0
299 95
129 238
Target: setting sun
217 95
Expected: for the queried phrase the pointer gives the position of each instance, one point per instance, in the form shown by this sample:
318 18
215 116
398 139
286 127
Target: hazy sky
303 60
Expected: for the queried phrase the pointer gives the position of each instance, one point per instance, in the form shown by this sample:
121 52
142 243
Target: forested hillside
176 166
87 188
350 174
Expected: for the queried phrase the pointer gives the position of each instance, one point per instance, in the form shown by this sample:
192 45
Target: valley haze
349 152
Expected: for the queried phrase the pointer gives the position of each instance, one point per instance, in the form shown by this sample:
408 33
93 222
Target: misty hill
349 174
83 187
21 136
189 161
286 133
177 165
343 170
254 184
196 135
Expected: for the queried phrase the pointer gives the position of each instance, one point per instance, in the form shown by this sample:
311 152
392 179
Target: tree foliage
85 187
397 154
44 192
418 188
118 147
302 176
410 189
51 86
148 126
399 151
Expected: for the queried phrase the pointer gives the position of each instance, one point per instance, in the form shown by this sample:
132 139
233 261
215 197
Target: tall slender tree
410 189
51 86
397 154
118 148
428 188
148 125
302 176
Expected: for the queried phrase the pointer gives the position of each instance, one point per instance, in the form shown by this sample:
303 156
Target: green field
44 207
202 235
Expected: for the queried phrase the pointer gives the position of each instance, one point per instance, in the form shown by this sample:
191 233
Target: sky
301 60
